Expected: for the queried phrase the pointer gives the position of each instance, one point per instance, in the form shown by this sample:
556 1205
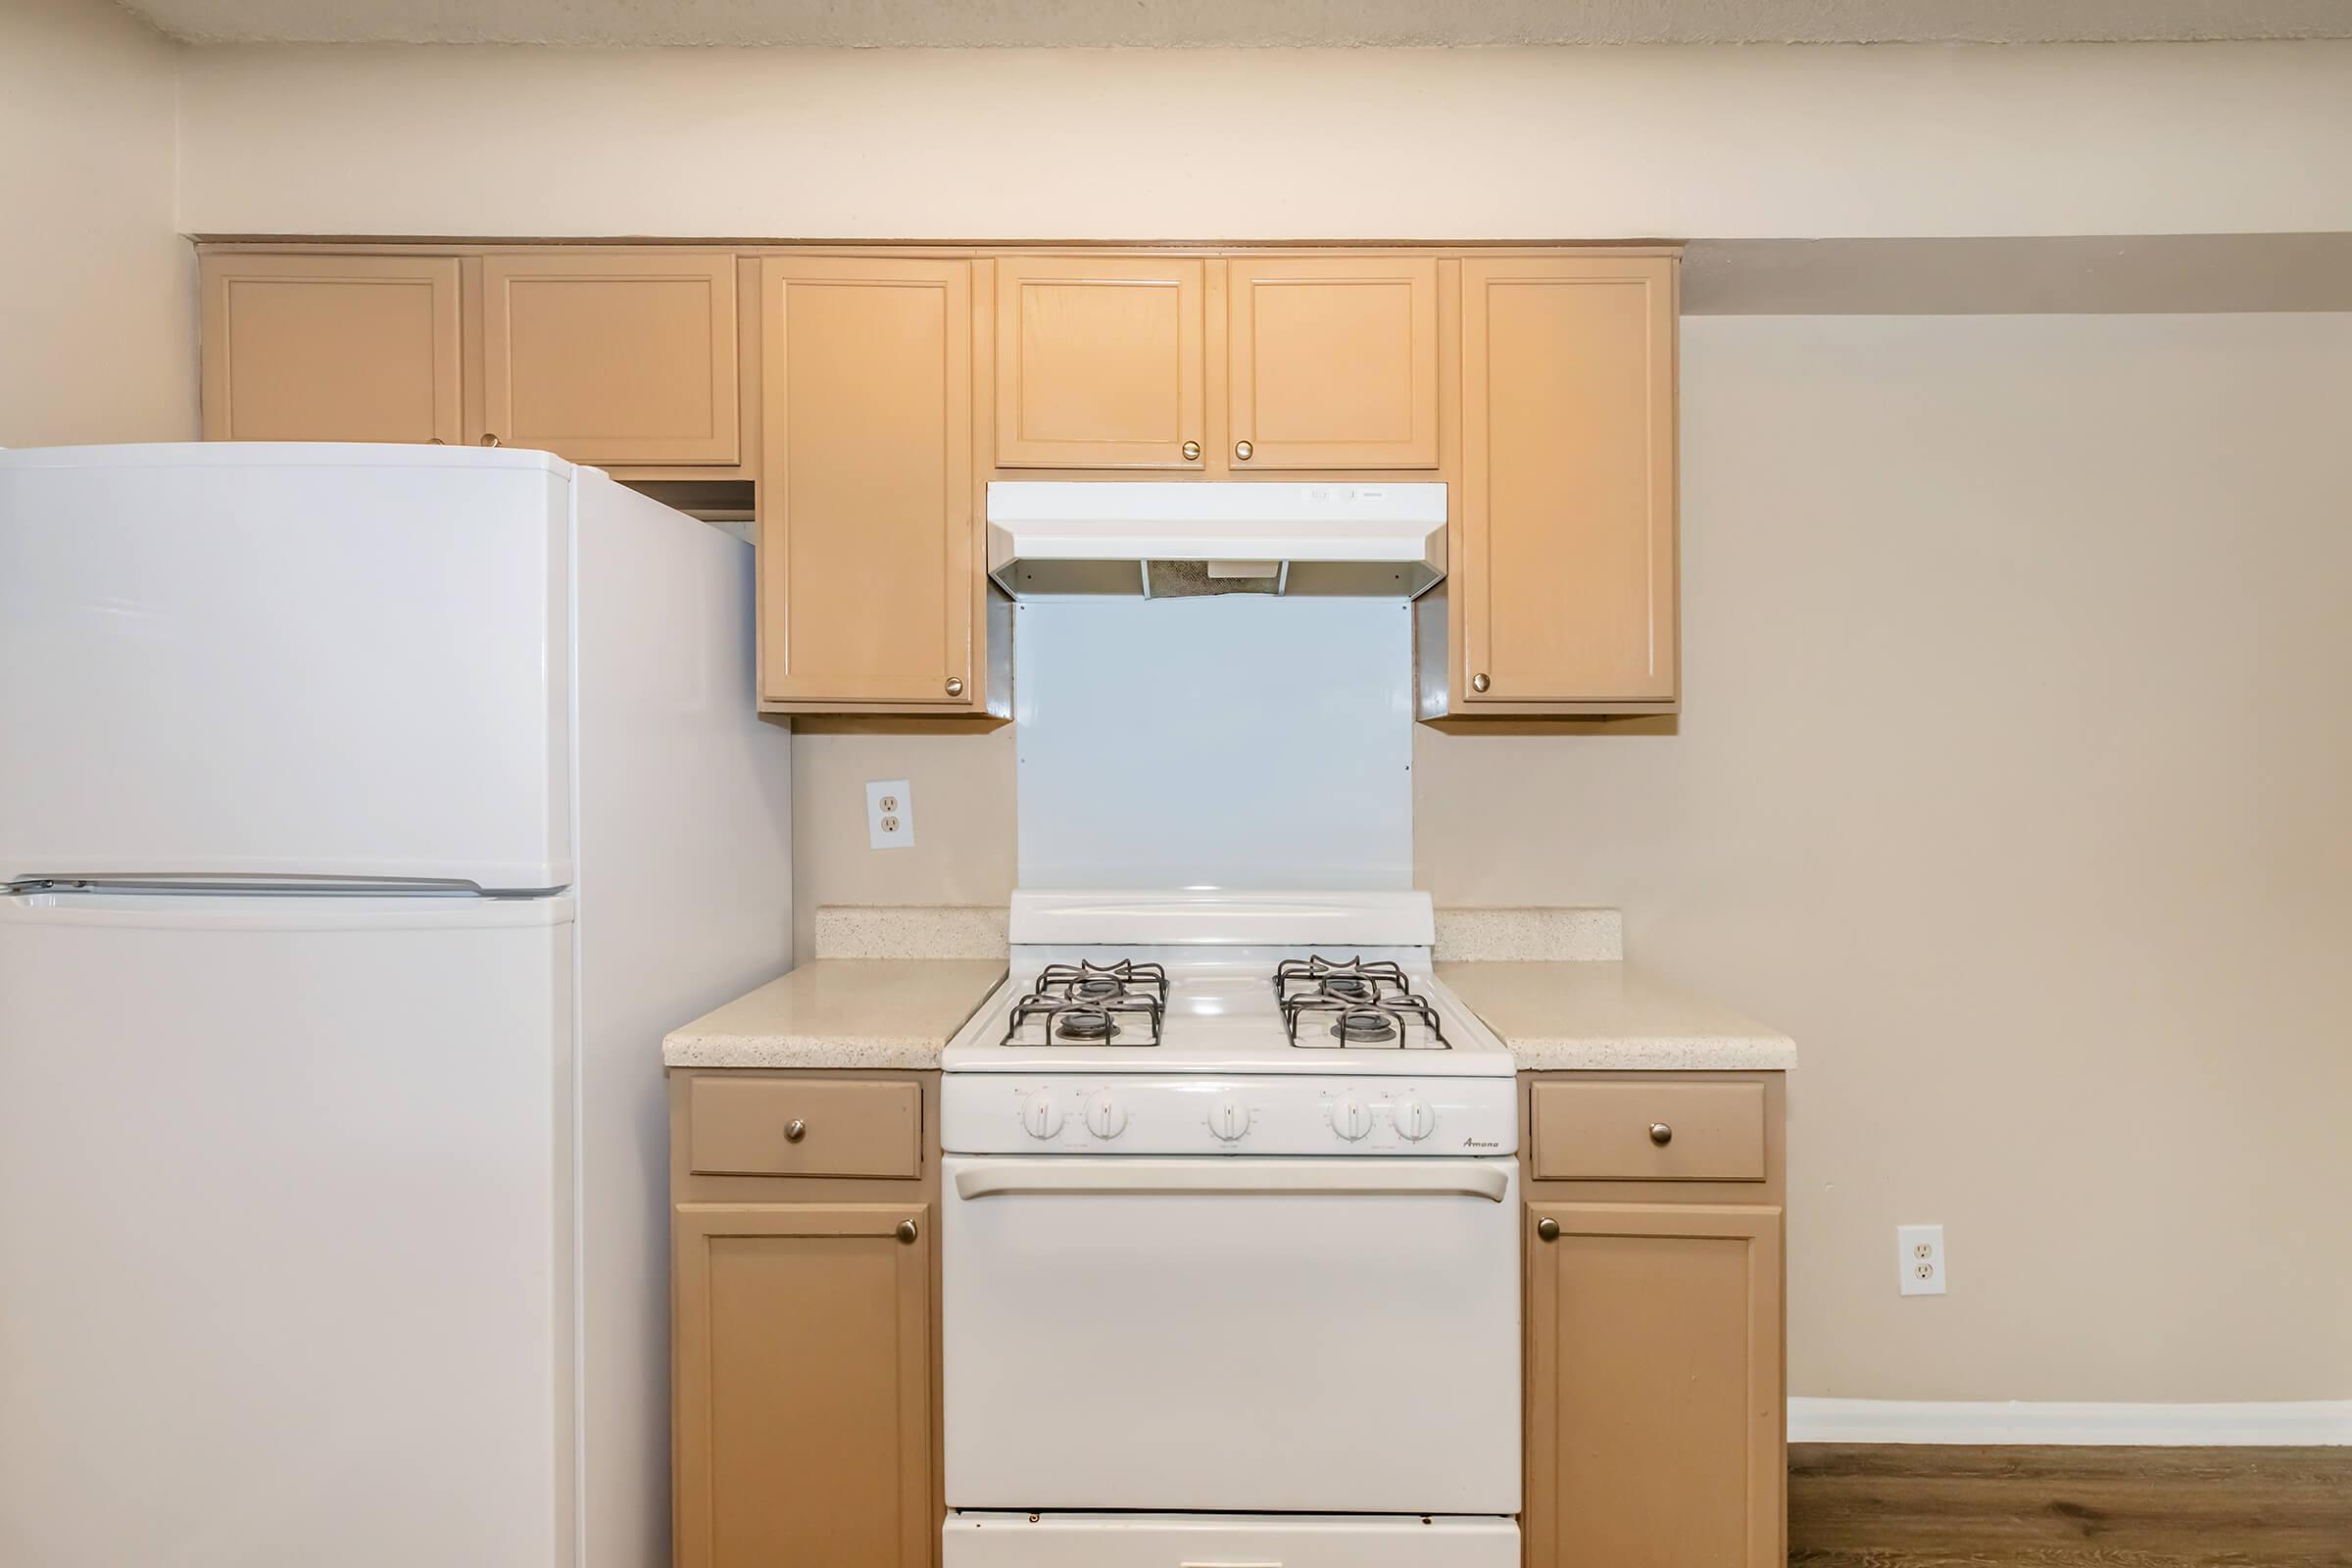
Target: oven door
1291 1335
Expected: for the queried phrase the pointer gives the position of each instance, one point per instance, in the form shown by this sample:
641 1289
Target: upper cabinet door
1332 361
868 570
1099 362
1565 568
330 348
611 356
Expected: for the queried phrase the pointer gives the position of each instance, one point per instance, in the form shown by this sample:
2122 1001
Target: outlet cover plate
1918 1255
890 813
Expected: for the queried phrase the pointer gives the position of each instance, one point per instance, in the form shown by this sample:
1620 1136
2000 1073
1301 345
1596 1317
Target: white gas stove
1230 1240
1210 1034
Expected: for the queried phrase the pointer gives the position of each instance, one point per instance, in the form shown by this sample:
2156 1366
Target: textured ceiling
1210 24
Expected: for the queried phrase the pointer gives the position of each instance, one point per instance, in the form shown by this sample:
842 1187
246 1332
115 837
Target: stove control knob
1040 1115
1105 1117
1229 1119
1351 1117
1414 1119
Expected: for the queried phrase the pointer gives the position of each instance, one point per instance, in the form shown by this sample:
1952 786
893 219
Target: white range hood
1094 537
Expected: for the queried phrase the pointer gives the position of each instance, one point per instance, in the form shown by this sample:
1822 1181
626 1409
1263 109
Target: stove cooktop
1234 1010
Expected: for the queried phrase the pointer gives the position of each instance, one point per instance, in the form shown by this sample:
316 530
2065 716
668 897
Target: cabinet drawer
1714 1132
745 1127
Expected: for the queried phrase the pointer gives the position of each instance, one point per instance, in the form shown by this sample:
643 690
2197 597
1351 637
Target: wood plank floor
1906 1506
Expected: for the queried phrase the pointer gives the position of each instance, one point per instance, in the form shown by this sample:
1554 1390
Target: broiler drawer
802 1127
1648 1130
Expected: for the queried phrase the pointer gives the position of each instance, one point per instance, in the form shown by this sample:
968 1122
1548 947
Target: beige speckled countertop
1593 1015
890 986
841 1013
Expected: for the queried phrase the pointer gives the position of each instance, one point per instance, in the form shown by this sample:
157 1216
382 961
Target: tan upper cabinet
1100 363
1563 597
870 572
331 348
1655 1394
871 397
1332 361
804 1383
616 357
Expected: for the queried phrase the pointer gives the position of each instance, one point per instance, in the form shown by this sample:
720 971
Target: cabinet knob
1479 682
1660 1134
488 439
1241 451
1548 1230
1191 451
955 685
908 1232
795 1130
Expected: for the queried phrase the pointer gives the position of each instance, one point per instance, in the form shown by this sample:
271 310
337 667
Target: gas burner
1090 1024
1368 1027
1084 1004
1360 1002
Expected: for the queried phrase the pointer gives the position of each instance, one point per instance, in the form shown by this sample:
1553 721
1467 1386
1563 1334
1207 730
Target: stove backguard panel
1237 741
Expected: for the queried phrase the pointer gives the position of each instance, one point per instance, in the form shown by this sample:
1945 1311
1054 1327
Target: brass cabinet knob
1548 1230
1479 682
1241 451
908 1232
1191 451
955 685
1660 1134
488 439
797 1131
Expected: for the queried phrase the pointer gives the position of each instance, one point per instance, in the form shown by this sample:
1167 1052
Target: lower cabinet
804 1361
1654 1399
805 1319
1656 1383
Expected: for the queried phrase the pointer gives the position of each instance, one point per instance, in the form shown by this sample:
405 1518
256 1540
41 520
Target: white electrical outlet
1919 1252
890 813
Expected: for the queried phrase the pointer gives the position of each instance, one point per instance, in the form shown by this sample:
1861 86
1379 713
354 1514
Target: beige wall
1478 143
2012 779
964 848
98 328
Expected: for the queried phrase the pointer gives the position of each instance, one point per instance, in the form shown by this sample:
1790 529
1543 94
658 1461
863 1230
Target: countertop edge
919 1054
1653 1053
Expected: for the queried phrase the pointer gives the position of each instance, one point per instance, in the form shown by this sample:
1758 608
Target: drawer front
747 1127
1613 1131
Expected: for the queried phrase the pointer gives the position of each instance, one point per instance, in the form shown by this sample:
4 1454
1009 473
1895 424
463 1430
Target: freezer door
254 660
285 1228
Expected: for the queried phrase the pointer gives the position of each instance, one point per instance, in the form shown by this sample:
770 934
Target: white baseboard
2300 1423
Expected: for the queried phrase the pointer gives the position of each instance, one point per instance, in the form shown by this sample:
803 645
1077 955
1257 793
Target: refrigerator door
243 661
285 1224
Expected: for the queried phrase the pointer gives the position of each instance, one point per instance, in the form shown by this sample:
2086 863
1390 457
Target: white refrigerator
366 816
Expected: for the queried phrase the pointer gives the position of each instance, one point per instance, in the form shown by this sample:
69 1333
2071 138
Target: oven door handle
1290 1178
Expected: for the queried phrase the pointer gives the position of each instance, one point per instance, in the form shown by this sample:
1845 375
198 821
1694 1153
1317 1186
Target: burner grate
1098 982
1354 1002
1083 1004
